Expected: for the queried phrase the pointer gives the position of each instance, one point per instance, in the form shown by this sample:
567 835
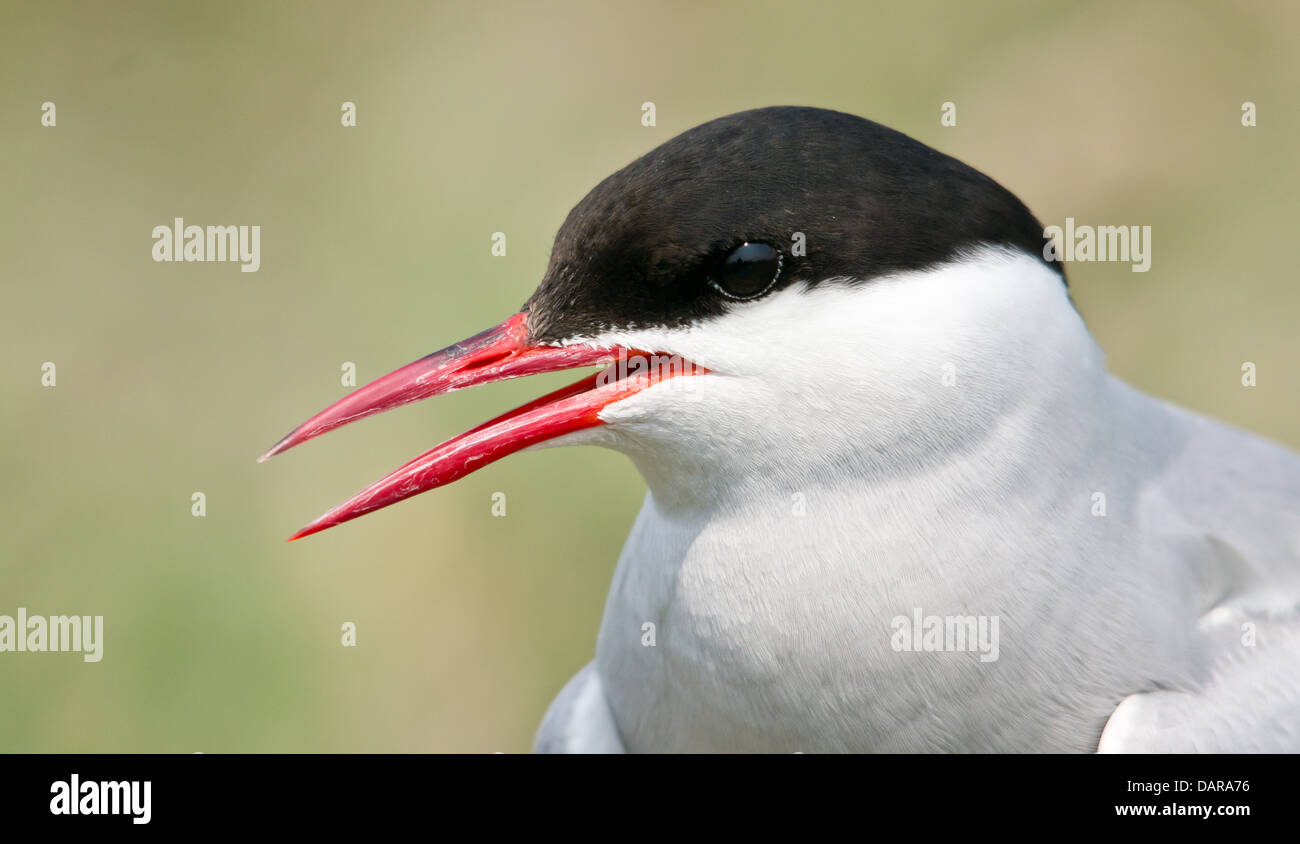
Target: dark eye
747 271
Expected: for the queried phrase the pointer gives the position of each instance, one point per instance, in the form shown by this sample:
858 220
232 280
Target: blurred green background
475 118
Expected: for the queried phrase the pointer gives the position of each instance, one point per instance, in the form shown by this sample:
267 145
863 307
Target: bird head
784 287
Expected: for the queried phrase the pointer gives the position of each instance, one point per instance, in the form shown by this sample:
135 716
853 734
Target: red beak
493 355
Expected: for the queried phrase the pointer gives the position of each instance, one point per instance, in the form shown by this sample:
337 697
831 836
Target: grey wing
579 720
1236 497
1251 703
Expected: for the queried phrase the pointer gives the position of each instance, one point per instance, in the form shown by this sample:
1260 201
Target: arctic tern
871 402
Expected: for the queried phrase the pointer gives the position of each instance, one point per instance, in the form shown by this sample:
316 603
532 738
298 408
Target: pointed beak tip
303 532
282 445
325 522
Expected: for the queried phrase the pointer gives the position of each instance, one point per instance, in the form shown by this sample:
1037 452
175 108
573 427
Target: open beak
493 355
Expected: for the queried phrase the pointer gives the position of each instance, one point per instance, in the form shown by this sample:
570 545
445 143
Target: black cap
636 252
